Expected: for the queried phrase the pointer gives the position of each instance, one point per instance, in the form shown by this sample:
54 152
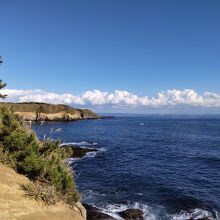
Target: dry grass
41 192
7 159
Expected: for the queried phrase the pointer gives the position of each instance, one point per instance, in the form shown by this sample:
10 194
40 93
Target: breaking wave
80 144
114 209
158 213
196 214
83 144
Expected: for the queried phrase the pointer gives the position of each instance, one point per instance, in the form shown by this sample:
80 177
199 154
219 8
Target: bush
39 161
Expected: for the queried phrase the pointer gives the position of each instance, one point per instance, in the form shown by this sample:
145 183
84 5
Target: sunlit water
167 166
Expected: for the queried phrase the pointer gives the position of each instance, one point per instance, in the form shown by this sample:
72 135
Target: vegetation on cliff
42 162
48 112
52 180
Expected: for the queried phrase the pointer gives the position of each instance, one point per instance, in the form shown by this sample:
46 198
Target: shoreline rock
134 214
79 152
94 213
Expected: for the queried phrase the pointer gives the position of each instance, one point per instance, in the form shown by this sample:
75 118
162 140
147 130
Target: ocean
168 166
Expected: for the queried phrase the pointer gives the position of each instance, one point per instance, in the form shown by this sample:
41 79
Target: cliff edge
15 205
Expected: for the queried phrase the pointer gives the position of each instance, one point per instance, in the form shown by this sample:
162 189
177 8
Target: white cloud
186 97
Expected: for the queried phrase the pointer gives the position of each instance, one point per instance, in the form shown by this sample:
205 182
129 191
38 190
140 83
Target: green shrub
40 161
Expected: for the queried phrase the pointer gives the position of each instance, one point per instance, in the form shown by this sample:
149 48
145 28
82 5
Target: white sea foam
71 160
140 194
83 144
91 154
94 153
114 209
156 213
195 214
88 155
80 144
101 149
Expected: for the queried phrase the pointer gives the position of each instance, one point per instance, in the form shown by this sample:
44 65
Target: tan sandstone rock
14 205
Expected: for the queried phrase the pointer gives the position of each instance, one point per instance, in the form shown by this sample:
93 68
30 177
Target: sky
147 56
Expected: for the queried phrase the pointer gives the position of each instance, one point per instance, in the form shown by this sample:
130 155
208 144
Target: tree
2 85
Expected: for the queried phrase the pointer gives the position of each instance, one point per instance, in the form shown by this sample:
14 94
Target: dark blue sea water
167 166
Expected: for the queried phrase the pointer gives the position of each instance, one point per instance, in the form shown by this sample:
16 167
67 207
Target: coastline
33 111
102 213
135 212
35 180
99 197
94 213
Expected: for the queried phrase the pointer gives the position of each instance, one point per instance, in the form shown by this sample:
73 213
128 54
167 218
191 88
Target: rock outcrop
132 214
94 213
49 112
14 205
79 152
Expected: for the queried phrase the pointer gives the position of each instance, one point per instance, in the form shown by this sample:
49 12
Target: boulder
132 214
204 218
94 213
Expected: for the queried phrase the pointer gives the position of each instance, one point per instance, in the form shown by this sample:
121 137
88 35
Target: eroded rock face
94 213
81 209
60 116
132 214
48 112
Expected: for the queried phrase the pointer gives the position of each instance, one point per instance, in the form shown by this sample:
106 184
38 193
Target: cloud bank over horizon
117 99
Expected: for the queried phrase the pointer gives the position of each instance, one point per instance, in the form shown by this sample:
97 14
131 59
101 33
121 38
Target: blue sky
140 46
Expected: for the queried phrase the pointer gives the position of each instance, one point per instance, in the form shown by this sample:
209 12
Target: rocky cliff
49 112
